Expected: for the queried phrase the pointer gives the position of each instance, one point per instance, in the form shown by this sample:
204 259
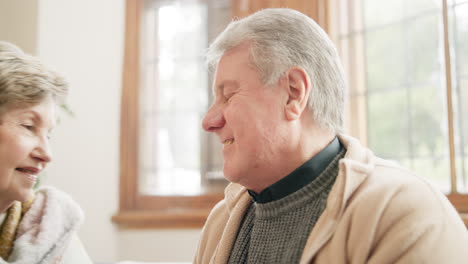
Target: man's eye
28 127
228 97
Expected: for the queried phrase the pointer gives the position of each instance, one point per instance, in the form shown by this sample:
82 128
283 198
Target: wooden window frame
145 211
137 210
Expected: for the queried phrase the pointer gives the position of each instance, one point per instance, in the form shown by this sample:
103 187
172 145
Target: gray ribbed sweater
276 232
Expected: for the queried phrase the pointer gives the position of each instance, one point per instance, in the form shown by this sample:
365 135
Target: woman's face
24 148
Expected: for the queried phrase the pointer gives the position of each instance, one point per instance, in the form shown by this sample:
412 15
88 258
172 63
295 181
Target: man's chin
231 176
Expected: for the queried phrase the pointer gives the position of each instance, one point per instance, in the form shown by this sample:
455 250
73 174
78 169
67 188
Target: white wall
84 41
18 20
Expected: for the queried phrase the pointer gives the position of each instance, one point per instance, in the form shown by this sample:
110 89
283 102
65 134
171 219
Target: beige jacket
376 213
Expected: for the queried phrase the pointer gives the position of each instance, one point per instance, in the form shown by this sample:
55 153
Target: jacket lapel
353 170
237 200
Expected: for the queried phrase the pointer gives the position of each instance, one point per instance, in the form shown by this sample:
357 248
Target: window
407 71
171 170
163 151
458 22
173 97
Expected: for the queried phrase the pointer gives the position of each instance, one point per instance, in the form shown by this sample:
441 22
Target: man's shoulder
389 176
394 190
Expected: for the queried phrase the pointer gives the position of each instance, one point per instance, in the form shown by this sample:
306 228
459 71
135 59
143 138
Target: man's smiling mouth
228 141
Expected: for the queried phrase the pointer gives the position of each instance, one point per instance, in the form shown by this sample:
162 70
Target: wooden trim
168 211
196 202
448 83
464 217
459 201
161 219
316 9
351 48
129 108
323 15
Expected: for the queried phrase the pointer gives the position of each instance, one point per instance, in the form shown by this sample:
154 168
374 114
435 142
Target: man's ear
298 88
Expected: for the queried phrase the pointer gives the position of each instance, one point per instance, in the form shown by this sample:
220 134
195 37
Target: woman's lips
29 172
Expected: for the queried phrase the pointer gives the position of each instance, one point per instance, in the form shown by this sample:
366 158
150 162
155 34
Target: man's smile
228 142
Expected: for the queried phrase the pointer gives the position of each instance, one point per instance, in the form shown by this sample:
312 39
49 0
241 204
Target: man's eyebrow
220 87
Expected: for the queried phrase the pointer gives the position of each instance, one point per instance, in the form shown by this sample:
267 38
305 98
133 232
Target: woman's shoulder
47 226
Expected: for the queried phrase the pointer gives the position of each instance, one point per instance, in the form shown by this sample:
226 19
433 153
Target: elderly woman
35 227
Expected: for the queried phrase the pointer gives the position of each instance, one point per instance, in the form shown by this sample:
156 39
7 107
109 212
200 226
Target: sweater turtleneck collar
301 176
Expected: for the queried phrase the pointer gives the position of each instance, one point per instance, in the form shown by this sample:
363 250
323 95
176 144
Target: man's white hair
281 38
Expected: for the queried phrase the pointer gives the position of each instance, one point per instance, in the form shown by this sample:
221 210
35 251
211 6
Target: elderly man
301 191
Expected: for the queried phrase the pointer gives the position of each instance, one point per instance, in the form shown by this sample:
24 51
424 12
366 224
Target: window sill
167 212
460 202
465 219
176 219
169 219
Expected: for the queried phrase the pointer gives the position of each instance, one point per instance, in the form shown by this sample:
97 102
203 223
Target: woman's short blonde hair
25 81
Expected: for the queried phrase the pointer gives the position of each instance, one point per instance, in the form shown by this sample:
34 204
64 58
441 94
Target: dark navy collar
301 176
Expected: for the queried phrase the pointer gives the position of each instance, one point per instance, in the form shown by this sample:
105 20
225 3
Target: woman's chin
25 195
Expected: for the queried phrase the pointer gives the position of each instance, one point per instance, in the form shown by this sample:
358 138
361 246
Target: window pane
424 47
386 57
407 117
388 119
461 135
377 12
182 29
429 138
173 97
434 168
459 32
428 123
419 7
184 87
174 154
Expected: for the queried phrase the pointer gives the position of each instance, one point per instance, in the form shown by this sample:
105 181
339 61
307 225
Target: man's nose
214 119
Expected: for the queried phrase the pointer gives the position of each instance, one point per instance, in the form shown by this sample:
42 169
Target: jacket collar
354 169
237 201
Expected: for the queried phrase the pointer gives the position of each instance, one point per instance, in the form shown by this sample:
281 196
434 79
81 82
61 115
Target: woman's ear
298 89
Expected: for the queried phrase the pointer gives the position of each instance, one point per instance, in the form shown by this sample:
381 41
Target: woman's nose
43 151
